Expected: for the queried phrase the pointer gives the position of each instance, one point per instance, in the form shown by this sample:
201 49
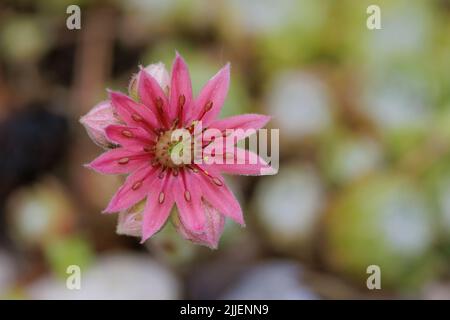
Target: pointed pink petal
157 71
180 86
133 190
129 137
157 208
244 162
219 195
244 125
133 113
215 91
119 161
188 199
151 94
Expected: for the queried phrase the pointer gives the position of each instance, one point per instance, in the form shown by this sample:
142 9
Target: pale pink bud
96 120
130 221
212 231
158 72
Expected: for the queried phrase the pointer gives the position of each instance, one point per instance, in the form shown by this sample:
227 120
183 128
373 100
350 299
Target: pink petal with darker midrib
129 137
119 161
212 96
151 94
216 192
188 199
180 91
133 190
159 203
246 123
133 113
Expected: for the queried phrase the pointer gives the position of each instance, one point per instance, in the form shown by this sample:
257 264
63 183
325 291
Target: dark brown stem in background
93 59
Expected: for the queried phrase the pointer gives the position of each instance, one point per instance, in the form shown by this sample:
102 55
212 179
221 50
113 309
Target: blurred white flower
405 31
397 100
271 280
288 204
115 276
405 222
299 104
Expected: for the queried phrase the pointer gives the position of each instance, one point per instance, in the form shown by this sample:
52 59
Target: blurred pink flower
146 147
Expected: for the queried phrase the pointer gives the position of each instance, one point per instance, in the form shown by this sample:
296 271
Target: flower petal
216 192
180 90
244 125
188 200
133 190
129 137
151 94
211 98
158 72
157 209
119 161
243 162
96 120
133 113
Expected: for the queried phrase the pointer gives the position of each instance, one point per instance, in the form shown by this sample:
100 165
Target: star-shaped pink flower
142 129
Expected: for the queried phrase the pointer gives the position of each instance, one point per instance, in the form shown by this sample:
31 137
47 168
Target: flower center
169 151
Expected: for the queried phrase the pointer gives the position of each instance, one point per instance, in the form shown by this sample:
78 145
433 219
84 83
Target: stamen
136 117
127 133
159 103
149 148
217 181
187 194
124 161
181 100
159 107
154 163
175 172
137 185
161 174
208 106
161 197
193 169
175 123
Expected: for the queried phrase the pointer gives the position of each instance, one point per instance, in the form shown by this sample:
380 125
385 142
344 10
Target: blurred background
364 119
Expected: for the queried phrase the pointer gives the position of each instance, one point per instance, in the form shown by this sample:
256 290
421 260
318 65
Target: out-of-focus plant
386 221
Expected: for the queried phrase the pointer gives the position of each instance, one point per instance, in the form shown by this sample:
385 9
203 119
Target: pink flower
146 150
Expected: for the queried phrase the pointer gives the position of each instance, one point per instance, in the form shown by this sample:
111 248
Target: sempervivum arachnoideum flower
144 132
